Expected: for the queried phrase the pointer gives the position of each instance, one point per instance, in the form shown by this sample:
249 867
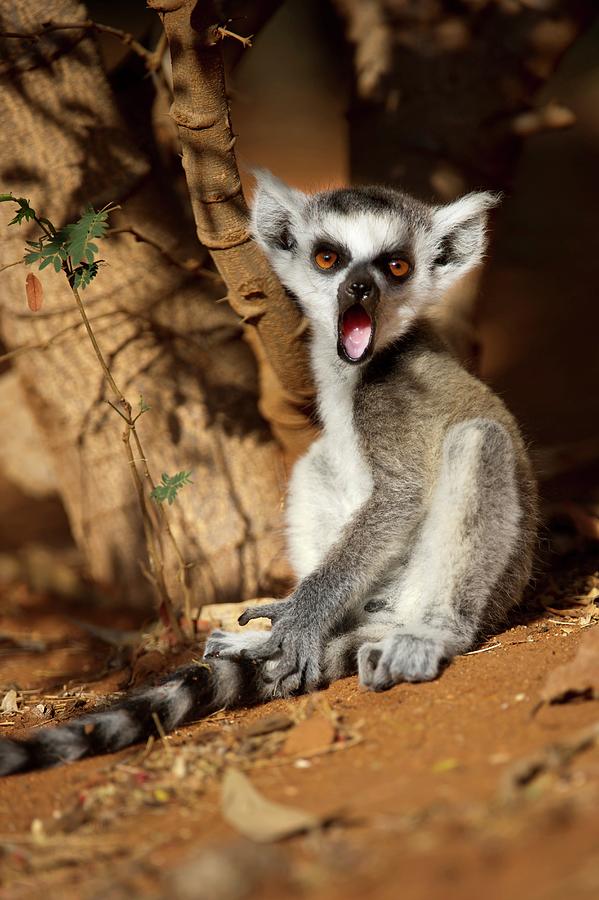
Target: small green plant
73 250
170 487
70 248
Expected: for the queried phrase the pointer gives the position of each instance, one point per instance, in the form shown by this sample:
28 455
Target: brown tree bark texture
274 325
64 145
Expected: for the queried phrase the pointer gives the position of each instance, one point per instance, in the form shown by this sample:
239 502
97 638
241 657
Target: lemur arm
350 570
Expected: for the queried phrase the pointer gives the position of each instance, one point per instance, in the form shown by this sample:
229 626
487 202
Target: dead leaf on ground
552 758
268 725
257 818
9 702
310 736
578 678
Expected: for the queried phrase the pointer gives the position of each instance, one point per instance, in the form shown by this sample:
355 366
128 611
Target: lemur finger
272 611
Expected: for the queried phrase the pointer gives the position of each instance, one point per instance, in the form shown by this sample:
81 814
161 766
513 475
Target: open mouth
356 331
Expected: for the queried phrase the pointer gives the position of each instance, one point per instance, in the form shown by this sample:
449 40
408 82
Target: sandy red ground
419 785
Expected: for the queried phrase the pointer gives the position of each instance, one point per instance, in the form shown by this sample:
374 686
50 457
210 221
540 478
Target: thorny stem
224 32
154 553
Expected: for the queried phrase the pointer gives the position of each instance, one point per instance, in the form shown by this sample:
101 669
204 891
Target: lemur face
364 262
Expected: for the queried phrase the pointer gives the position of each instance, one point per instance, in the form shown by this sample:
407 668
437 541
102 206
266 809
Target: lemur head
365 262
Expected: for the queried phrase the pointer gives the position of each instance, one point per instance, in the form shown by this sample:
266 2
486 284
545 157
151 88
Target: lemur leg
347 576
341 653
468 537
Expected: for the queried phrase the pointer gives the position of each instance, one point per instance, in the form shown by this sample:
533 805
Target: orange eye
399 267
326 259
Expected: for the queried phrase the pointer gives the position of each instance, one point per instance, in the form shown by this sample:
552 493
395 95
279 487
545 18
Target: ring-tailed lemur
411 520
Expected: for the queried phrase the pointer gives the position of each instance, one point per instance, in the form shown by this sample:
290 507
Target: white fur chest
340 442
333 479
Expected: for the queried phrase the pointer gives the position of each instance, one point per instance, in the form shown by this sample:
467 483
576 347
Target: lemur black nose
360 289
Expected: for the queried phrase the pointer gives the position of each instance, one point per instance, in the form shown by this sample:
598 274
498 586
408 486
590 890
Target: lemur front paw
399 657
292 651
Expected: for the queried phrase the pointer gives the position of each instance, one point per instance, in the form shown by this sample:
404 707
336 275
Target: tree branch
201 112
188 265
151 58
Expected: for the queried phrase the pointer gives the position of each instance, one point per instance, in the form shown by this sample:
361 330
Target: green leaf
170 487
143 406
25 211
50 250
48 223
84 274
80 235
35 252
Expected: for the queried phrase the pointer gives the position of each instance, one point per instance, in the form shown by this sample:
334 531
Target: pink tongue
357 328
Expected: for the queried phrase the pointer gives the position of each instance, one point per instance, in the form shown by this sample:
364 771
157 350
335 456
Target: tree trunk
164 335
273 322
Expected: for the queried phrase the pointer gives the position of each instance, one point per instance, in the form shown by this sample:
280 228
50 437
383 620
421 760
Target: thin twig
148 56
156 563
193 266
224 32
44 345
155 556
17 262
107 373
183 566
162 733
158 53
483 649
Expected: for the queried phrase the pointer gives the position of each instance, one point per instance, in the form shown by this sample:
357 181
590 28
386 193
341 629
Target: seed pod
35 292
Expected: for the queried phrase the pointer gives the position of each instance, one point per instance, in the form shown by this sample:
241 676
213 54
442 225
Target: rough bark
63 145
273 323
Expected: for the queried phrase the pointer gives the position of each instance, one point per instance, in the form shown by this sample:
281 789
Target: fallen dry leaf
257 818
268 725
9 702
578 678
310 736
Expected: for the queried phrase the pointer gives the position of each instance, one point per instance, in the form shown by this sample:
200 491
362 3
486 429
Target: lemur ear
459 230
275 212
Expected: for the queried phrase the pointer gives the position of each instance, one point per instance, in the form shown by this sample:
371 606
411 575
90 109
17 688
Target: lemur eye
399 267
326 259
